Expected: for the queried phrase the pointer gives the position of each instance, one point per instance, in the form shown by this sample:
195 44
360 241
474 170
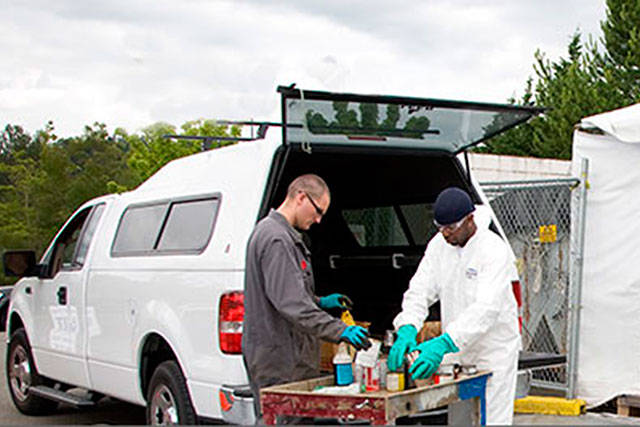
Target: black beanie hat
452 205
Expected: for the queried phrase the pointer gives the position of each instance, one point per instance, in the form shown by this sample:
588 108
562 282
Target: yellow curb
549 405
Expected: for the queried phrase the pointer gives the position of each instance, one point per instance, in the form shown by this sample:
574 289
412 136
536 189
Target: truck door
60 327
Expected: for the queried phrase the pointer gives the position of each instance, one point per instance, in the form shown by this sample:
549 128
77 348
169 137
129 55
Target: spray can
343 371
409 359
382 367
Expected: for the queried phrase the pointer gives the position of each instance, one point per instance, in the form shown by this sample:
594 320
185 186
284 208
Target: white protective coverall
477 306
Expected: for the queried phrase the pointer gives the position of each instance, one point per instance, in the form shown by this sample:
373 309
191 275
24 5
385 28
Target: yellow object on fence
548 233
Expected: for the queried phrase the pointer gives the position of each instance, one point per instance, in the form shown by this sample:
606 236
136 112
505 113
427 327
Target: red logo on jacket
303 264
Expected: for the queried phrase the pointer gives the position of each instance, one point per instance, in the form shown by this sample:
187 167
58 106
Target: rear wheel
22 374
168 400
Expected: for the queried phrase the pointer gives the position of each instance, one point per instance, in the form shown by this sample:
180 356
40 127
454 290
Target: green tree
19 177
621 36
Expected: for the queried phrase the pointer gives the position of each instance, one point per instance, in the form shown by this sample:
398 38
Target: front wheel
22 374
168 400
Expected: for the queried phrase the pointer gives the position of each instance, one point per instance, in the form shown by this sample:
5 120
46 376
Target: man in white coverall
469 269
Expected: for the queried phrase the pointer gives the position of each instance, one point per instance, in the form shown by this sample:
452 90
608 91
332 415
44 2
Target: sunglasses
314 204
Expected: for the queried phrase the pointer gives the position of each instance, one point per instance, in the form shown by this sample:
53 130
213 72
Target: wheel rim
19 373
164 410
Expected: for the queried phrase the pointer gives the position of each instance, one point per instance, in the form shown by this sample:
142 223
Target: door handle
62 295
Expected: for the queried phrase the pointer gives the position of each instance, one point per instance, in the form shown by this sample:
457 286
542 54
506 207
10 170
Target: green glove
335 301
406 339
431 354
357 336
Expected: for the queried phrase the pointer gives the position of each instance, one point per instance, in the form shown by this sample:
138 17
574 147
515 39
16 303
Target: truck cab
139 295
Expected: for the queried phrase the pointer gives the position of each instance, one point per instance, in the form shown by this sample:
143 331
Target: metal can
446 372
388 338
409 359
395 381
383 371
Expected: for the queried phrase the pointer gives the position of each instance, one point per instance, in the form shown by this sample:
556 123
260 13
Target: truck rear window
166 227
398 225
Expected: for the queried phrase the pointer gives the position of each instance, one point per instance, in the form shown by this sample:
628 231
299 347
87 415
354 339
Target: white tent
609 334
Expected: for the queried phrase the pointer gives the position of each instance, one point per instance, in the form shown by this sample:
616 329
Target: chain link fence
536 218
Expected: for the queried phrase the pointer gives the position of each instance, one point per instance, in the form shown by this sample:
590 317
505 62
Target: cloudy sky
131 63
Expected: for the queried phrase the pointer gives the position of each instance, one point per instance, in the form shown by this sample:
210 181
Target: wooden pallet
628 405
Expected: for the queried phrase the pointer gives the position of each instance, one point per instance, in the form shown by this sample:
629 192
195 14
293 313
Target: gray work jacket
282 320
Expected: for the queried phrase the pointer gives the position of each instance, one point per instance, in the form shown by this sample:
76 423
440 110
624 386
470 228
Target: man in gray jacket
283 316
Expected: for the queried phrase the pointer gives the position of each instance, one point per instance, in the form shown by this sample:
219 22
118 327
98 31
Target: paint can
395 381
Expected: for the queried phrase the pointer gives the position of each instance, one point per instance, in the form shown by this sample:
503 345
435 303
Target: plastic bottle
343 371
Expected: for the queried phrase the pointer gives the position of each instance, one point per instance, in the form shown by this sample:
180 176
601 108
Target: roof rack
260 133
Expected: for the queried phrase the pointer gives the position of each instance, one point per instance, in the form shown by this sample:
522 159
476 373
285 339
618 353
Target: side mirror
20 264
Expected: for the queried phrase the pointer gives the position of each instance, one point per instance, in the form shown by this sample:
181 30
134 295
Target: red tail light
517 293
230 318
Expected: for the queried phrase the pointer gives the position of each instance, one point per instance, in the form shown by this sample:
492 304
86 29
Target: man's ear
470 219
299 198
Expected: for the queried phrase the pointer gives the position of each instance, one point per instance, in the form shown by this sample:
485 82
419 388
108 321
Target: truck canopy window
166 227
378 226
139 229
189 225
388 121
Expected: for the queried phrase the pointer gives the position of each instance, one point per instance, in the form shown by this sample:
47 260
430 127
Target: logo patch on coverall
303 264
471 273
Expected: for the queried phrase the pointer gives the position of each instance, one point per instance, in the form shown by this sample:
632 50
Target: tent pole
575 293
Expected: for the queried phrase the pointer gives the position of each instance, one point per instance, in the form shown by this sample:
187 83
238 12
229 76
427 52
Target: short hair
309 183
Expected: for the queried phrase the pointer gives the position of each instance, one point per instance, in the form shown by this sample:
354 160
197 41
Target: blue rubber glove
406 339
357 336
431 354
336 301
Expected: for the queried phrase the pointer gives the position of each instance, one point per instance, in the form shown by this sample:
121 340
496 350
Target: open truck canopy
393 121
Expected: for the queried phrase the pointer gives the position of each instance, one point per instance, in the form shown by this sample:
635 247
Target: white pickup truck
139 295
